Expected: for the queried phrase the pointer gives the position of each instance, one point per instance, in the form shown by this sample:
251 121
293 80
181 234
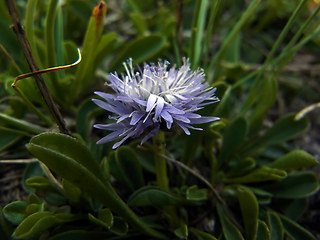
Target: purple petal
151 102
185 129
116 145
203 120
106 96
151 134
181 118
104 105
174 110
135 118
110 137
111 126
168 118
123 117
159 107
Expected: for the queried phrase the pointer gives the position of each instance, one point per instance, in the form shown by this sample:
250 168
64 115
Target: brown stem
24 43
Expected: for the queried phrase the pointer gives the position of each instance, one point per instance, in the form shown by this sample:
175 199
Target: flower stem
160 162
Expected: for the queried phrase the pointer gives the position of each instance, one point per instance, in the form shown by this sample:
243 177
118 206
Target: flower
145 99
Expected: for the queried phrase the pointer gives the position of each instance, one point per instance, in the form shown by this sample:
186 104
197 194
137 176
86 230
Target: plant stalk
24 43
160 162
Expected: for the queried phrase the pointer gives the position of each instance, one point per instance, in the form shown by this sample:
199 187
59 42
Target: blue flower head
152 97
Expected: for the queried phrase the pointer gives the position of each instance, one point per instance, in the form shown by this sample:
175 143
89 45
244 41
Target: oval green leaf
294 231
233 137
263 232
250 211
15 212
295 185
275 226
230 231
259 175
67 147
294 160
153 196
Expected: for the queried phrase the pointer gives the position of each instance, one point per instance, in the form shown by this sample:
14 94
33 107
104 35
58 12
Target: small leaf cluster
243 177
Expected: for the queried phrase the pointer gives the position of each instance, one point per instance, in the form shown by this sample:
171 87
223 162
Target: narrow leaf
230 231
294 160
250 210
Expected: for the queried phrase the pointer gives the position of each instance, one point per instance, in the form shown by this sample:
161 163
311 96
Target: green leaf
275 226
21 124
262 196
15 212
8 138
33 198
295 159
85 70
195 194
129 170
230 231
263 232
153 196
296 208
119 227
105 218
144 156
294 231
261 174
151 46
72 192
295 185
105 47
284 129
32 170
71 160
87 110
198 25
40 183
66 147
233 137
5 227
34 207
202 235
182 232
81 235
39 222
250 211
261 97
240 167
139 22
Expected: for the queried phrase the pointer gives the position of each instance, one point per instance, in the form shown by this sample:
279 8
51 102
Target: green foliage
243 177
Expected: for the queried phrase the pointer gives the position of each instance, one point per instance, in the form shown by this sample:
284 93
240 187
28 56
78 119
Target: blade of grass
13 62
21 124
252 94
296 37
276 61
50 44
283 33
29 23
59 39
215 5
197 31
229 39
33 108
